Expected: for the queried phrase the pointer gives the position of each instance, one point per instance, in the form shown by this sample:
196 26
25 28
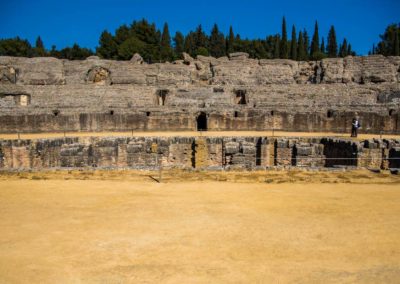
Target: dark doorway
240 97
202 122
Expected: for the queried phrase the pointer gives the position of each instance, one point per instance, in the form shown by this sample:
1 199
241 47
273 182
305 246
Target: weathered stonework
235 93
197 153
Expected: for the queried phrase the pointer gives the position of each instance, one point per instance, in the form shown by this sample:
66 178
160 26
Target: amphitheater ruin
235 93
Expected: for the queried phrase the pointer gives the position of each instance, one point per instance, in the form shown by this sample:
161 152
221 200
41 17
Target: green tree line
389 43
156 45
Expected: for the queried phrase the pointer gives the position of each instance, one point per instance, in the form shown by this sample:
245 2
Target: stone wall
236 93
197 153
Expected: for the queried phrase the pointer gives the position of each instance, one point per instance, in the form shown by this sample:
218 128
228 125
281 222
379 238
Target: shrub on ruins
202 51
75 52
131 46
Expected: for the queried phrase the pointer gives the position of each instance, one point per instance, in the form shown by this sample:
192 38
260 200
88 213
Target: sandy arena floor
258 227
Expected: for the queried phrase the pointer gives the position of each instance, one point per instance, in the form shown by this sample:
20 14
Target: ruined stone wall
197 153
236 93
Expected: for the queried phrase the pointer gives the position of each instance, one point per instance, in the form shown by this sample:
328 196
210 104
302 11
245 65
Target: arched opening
392 112
111 112
240 97
330 113
148 113
202 122
236 114
56 112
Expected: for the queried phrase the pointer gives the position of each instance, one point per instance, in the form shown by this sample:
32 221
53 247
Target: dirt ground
247 227
191 134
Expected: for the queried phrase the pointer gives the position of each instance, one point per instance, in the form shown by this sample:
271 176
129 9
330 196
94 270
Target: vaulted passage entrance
202 122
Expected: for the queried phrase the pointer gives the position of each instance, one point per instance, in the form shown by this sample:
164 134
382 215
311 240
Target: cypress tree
349 51
306 44
332 44
179 41
217 42
396 44
315 42
166 52
283 43
293 45
343 49
276 46
230 42
301 53
39 47
322 45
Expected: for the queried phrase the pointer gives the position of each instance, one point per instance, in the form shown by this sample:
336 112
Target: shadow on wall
339 153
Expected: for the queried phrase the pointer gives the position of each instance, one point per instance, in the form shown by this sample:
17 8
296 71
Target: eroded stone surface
235 93
198 152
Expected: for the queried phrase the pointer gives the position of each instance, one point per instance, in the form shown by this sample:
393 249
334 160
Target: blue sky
64 22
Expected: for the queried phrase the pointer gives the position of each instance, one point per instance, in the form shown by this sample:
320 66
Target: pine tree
301 53
284 43
315 43
230 41
387 44
306 44
396 44
122 34
217 42
276 46
108 48
179 41
293 45
166 52
332 44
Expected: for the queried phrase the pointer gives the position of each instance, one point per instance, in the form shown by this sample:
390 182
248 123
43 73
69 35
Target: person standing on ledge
355 125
